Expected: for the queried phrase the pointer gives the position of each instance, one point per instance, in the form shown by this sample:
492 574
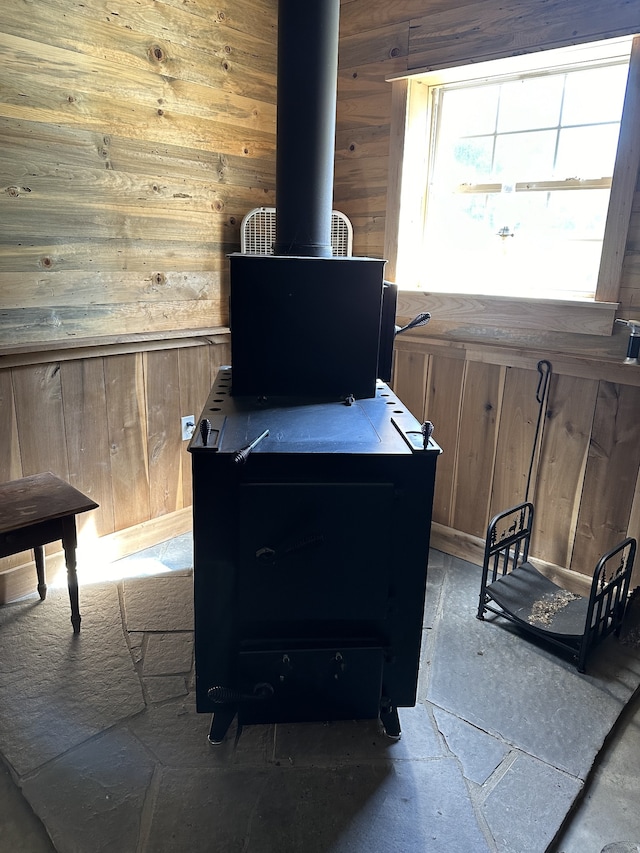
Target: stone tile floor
103 751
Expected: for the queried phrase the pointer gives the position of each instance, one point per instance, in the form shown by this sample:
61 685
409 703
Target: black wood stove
312 483
311 536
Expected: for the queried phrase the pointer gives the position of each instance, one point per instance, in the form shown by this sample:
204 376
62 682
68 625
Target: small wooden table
35 511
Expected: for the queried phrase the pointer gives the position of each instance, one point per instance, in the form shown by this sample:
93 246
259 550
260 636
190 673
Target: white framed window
507 172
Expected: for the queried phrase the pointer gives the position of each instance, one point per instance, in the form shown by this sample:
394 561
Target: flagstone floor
102 749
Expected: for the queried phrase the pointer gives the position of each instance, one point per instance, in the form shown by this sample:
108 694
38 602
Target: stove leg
220 722
389 718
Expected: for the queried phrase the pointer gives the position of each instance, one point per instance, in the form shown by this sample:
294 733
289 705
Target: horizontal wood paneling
383 43
133 140
459 33
79 322
358 16
61 286
53 147
90 93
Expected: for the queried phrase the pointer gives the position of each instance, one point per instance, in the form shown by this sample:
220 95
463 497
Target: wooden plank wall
477 381
133 138
109 425
586 479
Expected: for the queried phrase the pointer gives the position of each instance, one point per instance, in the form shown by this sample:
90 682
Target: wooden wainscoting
110 425
482 401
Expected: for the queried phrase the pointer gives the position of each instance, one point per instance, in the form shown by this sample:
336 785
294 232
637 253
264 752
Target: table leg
38 553
69 543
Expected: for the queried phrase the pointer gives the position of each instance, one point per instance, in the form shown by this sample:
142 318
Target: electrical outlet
188 426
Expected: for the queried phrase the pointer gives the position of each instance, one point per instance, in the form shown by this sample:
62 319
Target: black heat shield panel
305 326
387 331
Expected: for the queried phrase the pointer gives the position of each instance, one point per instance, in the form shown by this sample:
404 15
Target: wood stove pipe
306 123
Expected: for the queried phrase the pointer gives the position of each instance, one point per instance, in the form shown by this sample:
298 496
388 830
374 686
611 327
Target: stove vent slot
258 233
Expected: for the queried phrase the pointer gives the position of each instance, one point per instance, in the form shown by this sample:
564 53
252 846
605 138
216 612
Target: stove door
311 554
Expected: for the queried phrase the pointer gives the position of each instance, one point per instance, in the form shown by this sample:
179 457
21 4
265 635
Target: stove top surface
380 424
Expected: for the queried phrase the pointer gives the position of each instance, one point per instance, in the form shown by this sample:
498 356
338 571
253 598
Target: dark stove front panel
308 556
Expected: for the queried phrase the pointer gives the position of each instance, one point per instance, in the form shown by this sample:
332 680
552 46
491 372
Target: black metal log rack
512 587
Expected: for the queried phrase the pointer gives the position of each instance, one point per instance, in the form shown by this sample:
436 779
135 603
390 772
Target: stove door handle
266 554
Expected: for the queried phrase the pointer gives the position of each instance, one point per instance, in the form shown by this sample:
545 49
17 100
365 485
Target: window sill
580 317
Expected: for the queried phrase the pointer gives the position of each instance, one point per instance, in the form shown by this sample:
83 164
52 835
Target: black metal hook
544 369
544 379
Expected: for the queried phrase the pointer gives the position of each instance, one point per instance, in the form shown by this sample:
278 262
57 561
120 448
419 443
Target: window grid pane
531 130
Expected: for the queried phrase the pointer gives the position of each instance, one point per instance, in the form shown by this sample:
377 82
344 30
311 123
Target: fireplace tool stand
513 588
